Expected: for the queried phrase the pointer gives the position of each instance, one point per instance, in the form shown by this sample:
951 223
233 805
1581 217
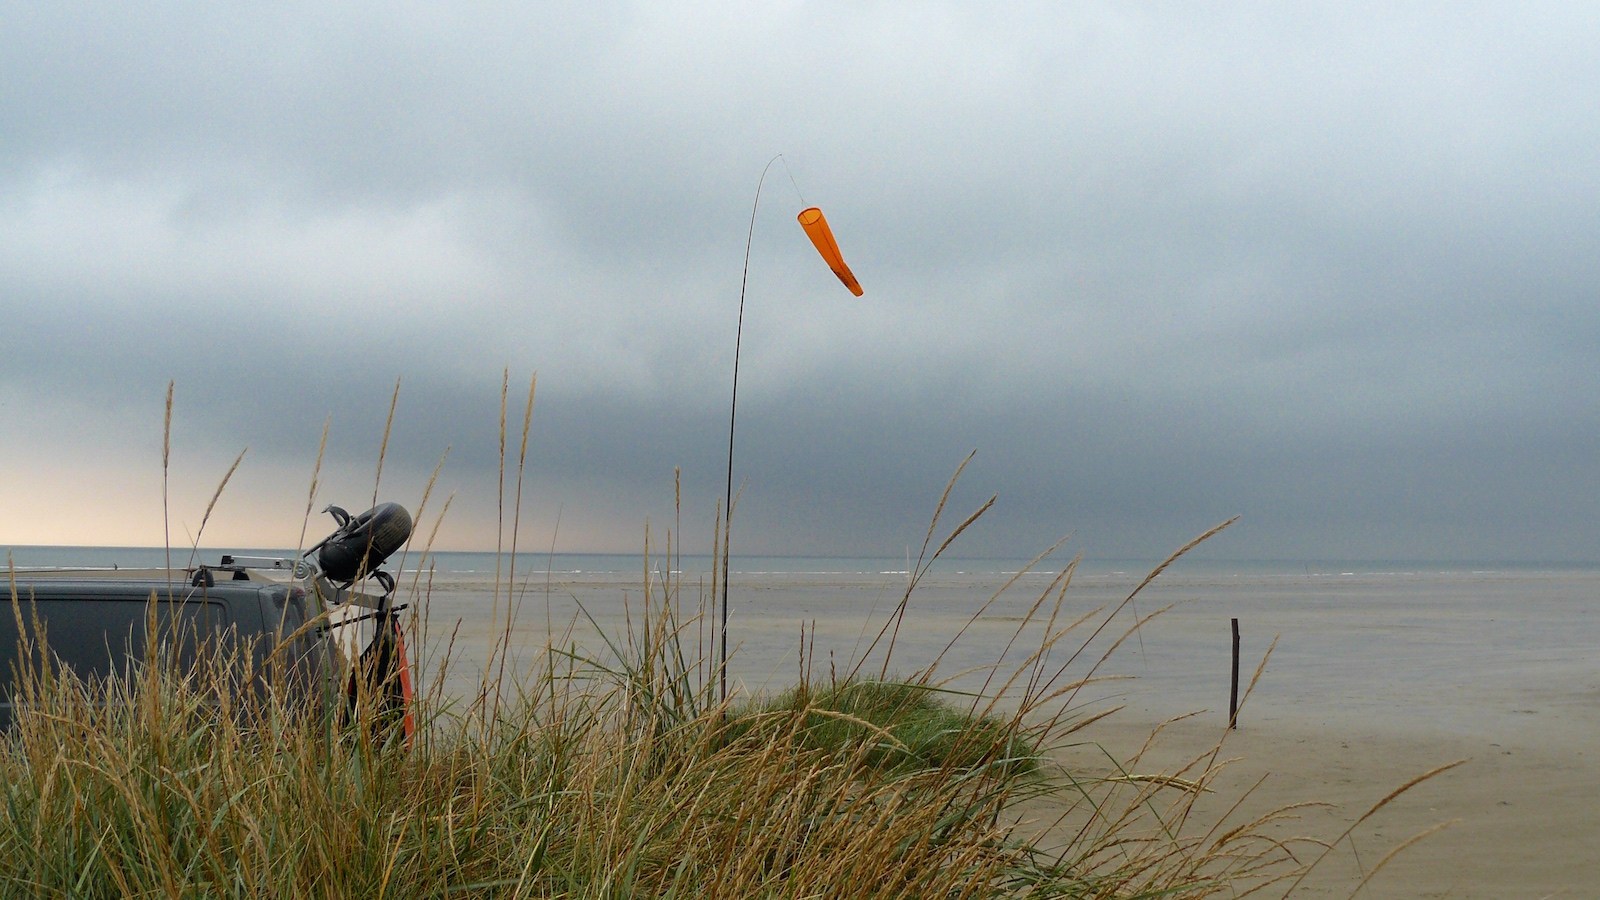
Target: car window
97 636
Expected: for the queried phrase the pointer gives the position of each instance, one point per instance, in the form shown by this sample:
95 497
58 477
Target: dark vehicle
300 632
98 627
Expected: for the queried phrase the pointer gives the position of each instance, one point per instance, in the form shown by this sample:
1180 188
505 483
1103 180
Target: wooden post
1233 695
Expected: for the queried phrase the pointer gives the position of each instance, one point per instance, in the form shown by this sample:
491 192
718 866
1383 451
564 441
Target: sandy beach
1522 817
1377 677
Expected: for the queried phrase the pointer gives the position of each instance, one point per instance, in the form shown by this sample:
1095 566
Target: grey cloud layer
1333 270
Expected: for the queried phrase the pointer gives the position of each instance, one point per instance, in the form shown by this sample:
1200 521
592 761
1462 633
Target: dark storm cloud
1330 269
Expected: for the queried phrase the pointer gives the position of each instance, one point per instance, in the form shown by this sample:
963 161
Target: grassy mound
582 780
895 727
622 774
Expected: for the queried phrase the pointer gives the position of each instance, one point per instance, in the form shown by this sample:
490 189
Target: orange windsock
822 236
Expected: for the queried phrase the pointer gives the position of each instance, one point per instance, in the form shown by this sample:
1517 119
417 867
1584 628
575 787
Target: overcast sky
1331 269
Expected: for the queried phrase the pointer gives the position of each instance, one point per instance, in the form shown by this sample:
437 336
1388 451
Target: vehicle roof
57 588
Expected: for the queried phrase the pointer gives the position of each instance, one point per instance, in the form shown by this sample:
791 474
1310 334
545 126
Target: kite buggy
331 634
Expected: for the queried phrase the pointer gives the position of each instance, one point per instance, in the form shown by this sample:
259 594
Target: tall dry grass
614 771
600 775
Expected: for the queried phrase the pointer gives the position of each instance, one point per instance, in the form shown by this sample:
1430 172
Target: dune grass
614 775
898 727
618 773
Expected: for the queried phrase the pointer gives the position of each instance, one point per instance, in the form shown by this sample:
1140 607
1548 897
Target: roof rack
205 575
304 570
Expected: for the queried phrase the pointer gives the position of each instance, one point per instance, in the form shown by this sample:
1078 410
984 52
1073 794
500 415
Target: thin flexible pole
733 418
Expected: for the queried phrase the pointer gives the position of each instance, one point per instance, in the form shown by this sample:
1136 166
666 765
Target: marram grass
901 727
586 778
619 774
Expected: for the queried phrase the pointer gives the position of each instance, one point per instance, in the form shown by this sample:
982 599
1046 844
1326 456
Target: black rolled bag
363 542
